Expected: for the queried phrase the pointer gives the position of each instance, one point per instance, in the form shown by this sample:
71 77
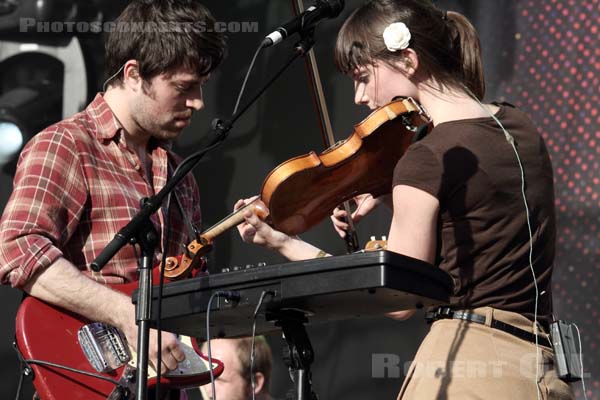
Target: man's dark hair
162 35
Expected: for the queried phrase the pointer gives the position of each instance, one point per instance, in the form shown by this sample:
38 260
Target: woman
463 198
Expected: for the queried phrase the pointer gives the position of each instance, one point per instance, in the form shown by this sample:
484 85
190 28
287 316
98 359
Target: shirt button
137 167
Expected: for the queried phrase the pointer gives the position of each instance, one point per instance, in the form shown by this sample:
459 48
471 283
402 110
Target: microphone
305 21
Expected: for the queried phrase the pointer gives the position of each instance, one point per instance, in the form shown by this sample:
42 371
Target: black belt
447 313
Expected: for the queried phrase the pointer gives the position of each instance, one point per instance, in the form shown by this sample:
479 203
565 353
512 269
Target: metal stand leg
147 239
301 354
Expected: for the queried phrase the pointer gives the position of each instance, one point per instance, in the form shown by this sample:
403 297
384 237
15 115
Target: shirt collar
107 125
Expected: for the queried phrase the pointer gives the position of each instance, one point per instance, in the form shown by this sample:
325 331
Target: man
79 181
235 383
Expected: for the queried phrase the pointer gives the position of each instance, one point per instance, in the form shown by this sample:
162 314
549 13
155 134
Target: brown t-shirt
483 238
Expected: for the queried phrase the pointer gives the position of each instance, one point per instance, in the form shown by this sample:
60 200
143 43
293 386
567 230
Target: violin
182 266
304 190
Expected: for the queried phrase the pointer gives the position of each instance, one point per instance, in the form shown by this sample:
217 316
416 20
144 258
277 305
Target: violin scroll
181 266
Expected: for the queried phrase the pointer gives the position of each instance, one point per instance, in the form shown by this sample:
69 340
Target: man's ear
259 382
131 75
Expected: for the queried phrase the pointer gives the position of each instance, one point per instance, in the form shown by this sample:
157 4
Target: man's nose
196 101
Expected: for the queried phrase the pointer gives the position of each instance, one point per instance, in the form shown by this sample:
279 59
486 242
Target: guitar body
48 333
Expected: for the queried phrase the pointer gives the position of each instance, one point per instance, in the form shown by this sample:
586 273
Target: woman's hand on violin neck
365 203
256 231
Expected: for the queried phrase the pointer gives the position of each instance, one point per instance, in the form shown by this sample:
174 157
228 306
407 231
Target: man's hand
63 285
171 351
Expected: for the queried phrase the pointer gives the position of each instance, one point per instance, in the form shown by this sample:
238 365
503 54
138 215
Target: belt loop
489 315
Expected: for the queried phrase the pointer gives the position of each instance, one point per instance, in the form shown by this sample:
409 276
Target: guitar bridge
104 346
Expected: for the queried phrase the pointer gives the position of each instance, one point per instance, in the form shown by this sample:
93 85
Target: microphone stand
140 229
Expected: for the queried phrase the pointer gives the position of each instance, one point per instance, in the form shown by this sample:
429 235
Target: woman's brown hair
447 44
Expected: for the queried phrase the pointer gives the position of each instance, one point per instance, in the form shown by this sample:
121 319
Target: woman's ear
409 62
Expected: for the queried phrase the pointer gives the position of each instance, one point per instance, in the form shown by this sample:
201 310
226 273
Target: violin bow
314 78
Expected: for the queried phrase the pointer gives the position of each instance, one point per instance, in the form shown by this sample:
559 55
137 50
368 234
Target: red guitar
51 334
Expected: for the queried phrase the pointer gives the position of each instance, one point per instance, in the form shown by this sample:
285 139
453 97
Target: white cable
210 362
511 140
110 78
228 294
239 98
256 310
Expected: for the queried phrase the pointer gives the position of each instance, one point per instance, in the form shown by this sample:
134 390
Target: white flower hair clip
396 36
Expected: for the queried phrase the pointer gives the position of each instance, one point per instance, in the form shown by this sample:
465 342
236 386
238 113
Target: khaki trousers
465 360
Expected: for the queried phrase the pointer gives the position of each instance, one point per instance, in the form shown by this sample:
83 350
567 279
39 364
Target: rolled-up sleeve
44 209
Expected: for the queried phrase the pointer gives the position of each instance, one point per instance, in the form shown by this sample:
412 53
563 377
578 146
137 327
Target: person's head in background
235 383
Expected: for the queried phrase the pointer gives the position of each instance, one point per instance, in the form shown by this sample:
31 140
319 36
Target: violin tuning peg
185 250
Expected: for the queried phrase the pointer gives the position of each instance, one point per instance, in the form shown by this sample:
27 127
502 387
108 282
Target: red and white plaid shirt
76 185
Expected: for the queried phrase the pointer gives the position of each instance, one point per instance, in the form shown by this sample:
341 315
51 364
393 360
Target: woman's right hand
365 203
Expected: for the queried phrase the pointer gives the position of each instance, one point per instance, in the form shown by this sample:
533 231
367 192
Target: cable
228 294
256 310
25 371
511 140
77 371
25 367
239 98
161 282
110 78
212 374
581 361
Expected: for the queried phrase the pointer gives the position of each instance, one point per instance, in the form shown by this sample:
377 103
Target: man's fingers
177 353
168 361
171 354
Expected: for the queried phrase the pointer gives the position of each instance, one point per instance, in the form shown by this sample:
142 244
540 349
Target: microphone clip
221 126
307 41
